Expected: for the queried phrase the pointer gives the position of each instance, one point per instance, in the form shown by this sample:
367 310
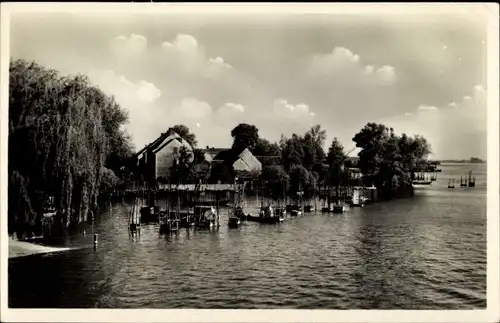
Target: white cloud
123 89
138 99
129 46
216 66
338 58
427 108
186 44
343 64
286 110
187 56
230 109
386 74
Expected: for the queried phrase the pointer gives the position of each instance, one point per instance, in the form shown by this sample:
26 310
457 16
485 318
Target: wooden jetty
205 193
296 208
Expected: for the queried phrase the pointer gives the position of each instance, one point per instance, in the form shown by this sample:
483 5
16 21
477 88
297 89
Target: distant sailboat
451 183
472 182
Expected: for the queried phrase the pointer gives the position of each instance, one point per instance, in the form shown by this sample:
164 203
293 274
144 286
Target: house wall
247 162
164 158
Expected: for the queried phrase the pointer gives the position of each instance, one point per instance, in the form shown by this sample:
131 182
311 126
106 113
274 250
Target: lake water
428 252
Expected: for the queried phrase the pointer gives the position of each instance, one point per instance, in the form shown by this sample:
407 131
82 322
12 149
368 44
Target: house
156 159
243 164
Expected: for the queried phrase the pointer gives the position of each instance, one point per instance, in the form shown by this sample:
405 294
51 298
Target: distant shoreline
463 162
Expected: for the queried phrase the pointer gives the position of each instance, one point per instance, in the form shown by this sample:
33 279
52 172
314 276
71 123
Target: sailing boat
280 210
326 201
296 209
134 218
421 180
472 183
451 183
235 213
266 214
357 200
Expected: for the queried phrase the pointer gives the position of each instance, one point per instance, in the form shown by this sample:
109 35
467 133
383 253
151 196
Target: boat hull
265 219
234 222
149 214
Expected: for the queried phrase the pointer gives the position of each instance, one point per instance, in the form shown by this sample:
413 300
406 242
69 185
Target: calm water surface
428 252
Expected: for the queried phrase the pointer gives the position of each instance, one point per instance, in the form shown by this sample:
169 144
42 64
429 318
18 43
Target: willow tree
61 131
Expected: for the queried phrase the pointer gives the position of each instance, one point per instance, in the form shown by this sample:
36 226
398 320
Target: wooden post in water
217 206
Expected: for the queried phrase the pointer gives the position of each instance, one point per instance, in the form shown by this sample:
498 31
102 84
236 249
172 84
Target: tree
336 158
220 172
276 179
62 133
185 133
244 136
317 137
301 180
198 156
292 152
269 153
387 160
371 139
182 171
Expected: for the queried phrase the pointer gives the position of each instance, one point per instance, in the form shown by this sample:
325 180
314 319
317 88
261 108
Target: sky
283 73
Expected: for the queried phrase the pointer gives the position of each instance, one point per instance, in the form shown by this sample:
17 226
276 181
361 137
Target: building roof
210 153
228 156
163 140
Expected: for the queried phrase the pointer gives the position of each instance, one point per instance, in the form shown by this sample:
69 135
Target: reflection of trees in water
369 281
56 280
386 268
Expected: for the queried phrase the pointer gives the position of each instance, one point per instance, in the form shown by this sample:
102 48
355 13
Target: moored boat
169 221
206 216
357 200
451 183
339 208
266 215
233 221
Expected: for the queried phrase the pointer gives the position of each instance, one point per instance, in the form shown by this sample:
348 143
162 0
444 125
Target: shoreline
19 249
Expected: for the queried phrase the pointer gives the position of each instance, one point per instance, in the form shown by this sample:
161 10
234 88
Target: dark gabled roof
164 143
210 153
156 143
213 150
228 156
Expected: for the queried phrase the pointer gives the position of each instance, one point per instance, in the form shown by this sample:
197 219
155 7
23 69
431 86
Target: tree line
66 142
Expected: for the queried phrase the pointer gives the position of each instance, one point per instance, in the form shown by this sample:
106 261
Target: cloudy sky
418 74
